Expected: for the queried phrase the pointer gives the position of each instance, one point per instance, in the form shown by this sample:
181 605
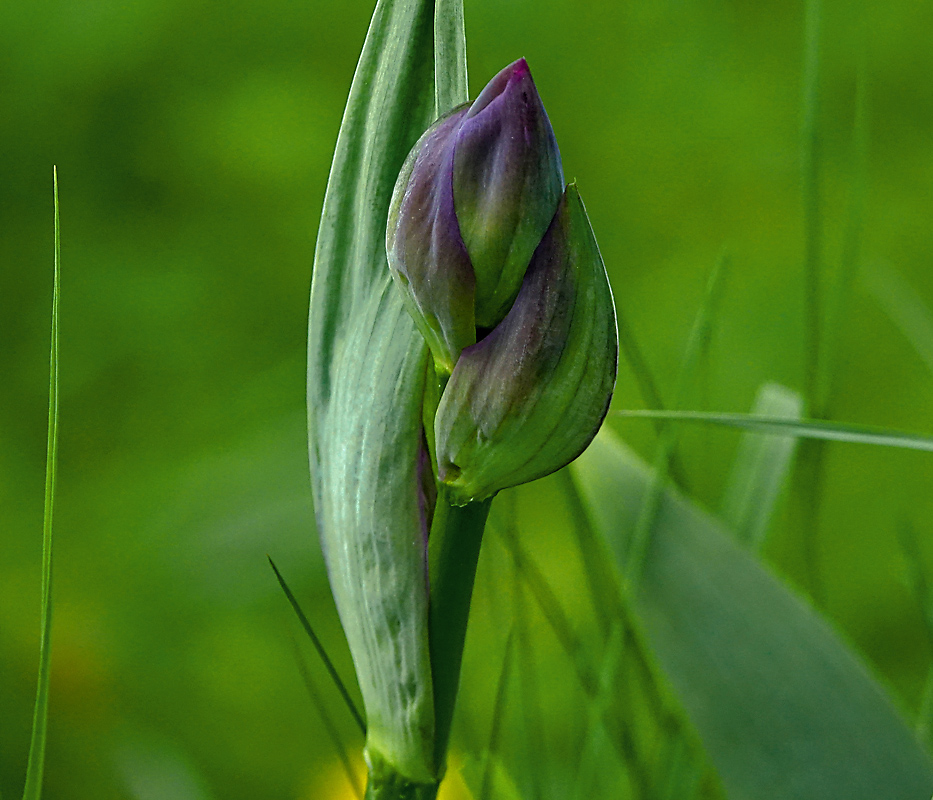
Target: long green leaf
784 708
811 164
366 367
36 764
804 428
761 467
366 372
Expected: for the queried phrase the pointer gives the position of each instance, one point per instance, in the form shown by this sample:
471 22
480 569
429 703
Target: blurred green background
193 142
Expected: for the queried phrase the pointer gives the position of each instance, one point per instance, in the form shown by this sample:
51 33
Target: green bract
527 399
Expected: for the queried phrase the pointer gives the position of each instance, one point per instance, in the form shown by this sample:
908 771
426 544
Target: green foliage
40 719
196 139
366 368
784 708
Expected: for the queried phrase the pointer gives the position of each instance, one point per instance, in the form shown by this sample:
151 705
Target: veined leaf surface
786 711
366 367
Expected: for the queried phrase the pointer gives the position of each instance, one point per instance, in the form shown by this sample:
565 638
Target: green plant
414 426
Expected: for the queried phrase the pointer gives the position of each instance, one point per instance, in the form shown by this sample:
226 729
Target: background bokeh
193 142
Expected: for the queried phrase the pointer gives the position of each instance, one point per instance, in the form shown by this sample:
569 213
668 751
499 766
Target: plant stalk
453 553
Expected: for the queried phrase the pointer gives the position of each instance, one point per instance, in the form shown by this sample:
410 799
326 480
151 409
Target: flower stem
386 784
453 553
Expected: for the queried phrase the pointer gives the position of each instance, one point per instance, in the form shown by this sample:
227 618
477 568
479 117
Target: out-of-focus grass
196 140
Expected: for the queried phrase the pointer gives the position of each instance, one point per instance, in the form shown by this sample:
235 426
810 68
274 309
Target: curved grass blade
498 714
329 724
761 468
36 764
803 429
812 164
328 664
784 708
664 720
697 344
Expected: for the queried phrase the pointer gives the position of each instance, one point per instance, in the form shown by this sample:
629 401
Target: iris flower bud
527 399
500 270
472 202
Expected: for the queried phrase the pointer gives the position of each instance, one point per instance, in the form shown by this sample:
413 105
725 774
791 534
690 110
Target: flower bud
471 204
527 399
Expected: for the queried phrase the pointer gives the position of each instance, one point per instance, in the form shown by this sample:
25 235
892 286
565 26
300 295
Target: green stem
386 784
453 553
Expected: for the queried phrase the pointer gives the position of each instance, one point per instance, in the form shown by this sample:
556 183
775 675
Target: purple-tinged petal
507 181
426 254
526 400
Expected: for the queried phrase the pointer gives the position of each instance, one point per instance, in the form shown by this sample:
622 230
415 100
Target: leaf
804 429
760 469
366 367
784 708
40 720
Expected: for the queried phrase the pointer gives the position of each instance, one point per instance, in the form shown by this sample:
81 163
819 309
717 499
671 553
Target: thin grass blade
329 725
591 755
494 747
697 343
811 163
838 300
319 647
761 468
661 713
36 765
803 429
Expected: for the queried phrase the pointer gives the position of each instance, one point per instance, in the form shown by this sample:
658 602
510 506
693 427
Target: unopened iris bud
471 205
529 397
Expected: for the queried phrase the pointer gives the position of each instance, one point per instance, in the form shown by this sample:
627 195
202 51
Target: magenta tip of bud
513 74
520 68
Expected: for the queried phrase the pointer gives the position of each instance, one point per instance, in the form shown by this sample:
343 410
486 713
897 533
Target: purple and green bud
527 399
472 202
500 270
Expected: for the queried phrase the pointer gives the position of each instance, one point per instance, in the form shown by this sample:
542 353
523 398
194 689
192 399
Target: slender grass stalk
648 387
804 428
641 679
329 725
36 764
810 471
760 469
697 343
811 164
617 717
328 664
850 262
590 756
531 699
498 715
